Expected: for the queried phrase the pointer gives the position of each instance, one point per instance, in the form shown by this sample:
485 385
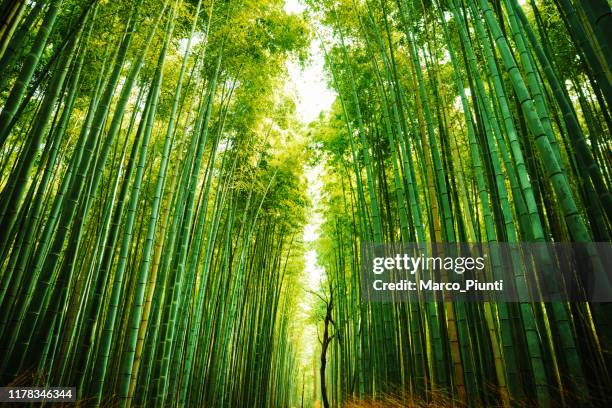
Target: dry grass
441 400
396 401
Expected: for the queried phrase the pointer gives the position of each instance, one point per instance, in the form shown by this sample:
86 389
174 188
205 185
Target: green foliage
155 227
454 124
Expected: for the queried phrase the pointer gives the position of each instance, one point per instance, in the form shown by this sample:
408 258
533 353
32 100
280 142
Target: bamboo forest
186 186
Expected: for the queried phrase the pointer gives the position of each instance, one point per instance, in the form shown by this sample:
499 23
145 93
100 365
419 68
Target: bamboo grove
149 206
153 197
465 121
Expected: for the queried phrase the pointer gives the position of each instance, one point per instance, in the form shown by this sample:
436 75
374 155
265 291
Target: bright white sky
294 6
312 96
309 84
